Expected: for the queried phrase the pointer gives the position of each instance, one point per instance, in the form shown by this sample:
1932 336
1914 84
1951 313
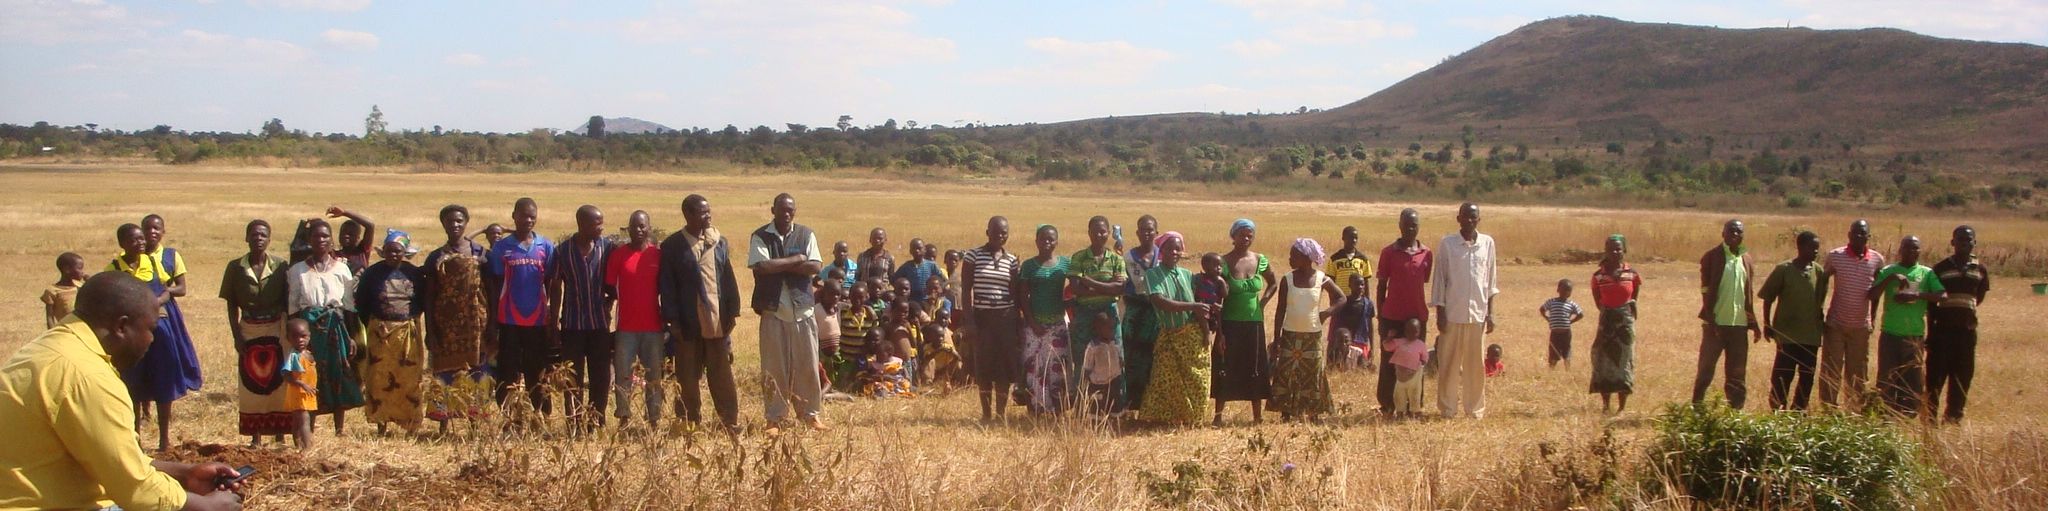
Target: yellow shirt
71 430
1341 270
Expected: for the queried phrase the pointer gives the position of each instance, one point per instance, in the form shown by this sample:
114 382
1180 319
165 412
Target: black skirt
1242 371
998 346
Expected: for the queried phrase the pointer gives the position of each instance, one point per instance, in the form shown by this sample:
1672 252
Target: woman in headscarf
389 297
1301 381
1615 288
253 287
320 291
1178 388
1041 288
1242 374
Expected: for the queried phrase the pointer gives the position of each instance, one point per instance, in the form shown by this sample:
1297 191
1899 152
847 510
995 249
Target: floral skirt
261 398
1301 382
397 365
1045 367
1614 352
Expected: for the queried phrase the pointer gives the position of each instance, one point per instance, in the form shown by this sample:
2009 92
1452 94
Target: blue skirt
170 369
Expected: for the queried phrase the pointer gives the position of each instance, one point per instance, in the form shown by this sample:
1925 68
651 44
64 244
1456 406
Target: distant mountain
1593 78
624 126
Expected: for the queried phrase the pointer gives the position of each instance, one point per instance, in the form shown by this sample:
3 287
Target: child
1561 312
1102 363
1209 287
1351 329
1410 356
831 291
58 298
904 334
1494 365
303 396
845 268
935 324
856 324
883 374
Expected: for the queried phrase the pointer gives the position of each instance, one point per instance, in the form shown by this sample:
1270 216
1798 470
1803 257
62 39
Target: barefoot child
1561 312
1102 363
303 397
1410 355
58 298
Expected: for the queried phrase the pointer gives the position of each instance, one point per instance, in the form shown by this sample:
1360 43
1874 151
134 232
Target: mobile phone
240 473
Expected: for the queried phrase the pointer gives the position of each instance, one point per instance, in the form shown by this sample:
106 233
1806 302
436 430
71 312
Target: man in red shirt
1404 269
632 271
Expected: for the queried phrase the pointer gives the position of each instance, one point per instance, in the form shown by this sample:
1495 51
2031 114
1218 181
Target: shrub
1796 201
1726 458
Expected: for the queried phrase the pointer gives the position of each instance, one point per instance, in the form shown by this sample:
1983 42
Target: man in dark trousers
700 300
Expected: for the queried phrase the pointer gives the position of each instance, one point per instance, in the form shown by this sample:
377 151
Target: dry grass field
931 452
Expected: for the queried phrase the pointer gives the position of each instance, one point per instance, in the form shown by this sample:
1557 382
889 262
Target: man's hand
1489 325
205 478
1756 335
727 324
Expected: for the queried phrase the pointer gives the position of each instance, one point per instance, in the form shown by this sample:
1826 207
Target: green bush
1726 458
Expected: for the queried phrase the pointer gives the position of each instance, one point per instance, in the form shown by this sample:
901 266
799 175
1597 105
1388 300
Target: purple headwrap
1308 247
1160 240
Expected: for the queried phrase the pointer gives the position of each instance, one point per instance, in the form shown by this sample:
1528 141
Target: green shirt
258 292
1048 285
1798 293
1906 319
1242 304
1729 300
1107 268
1173 283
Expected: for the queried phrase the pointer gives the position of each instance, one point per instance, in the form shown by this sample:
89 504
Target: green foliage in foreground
1727 458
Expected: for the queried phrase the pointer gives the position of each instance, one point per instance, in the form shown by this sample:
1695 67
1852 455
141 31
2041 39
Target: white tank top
1303 305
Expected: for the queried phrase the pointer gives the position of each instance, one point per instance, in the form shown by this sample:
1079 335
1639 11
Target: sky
515 65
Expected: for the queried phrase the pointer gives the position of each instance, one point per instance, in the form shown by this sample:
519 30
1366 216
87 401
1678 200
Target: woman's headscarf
1307 246
1242 224
1159 242
1618 239
403 240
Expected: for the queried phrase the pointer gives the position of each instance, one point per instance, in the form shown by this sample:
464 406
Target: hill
1599 79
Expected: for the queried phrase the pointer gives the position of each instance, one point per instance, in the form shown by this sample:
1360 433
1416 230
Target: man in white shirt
1462 288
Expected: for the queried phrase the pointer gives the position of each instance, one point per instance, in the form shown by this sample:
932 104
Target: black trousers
699 359
1384 392
1951 364
524 353
590 356
1794 362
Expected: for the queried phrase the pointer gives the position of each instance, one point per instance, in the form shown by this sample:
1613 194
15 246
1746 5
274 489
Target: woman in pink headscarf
1178 390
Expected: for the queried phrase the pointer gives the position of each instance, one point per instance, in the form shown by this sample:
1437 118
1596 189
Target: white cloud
315 5
1276 8
2000 20
800 31
1083 63
350 39
1322 22
197 49
1261 48
52 22
465 60
1321 30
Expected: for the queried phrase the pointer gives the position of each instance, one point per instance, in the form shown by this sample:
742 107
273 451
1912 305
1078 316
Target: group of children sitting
875 340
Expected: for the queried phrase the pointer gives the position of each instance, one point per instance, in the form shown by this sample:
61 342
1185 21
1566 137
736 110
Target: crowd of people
1119 328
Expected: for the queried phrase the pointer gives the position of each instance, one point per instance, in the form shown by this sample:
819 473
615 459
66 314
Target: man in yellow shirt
69 422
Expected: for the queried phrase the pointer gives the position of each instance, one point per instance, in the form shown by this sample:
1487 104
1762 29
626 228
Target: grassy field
930 452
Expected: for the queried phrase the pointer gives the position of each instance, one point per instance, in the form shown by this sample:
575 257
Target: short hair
107 296
1564 282
781 197
694 199
254 223
297 322
453 208
525 202
836 274
586 210
65 260
1408 212
152 216
121 232
1806 236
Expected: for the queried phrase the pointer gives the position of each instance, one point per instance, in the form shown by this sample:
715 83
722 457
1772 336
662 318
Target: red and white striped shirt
1849 305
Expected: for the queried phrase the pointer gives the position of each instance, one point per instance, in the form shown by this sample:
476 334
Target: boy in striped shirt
1561 312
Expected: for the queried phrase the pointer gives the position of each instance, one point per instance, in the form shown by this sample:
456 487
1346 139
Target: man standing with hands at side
701 301
784 258
1728 308
1462 290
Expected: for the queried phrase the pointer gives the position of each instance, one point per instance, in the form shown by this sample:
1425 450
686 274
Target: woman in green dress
1243 374
1178 390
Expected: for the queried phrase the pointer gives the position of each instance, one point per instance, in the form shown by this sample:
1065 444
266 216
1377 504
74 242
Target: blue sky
514 65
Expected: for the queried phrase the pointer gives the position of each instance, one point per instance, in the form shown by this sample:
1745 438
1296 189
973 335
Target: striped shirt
1559 312
1850 305
584 305
992 273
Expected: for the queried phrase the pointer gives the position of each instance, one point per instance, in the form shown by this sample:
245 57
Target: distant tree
889 125
1316 167
796 129
274 128
437 130
160 130
373 126
1413 147
910 124
595 128
1616 148
92 126
845 122
1466 136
